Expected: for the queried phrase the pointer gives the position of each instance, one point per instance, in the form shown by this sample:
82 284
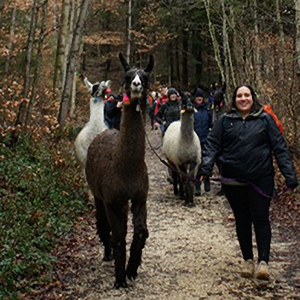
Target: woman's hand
203 177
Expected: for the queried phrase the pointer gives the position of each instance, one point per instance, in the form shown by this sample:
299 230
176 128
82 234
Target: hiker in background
202 124
113 112
170 111
244 141
154 96
159 103
108 106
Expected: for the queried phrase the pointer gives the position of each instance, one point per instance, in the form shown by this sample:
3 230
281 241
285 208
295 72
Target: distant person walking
202 124
170 111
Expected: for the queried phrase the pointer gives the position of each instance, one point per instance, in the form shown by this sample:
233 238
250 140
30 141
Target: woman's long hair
256 104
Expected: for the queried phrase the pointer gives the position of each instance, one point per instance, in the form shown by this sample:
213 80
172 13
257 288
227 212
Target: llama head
218 94
136 80
97 89
187 105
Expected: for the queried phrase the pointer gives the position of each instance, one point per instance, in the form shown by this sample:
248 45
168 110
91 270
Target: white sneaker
262 271
247 268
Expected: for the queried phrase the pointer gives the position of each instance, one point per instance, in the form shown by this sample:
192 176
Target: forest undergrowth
41 200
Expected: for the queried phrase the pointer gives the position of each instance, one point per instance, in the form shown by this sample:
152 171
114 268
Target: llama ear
150 66
88 84
102 85
125 64
108 83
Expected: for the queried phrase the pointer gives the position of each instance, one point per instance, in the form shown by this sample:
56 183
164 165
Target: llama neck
131 144
97 112
187 126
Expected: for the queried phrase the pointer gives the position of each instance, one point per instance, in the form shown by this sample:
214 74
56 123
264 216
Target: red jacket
161 101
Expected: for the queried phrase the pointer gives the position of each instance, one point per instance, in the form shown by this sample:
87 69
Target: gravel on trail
191 253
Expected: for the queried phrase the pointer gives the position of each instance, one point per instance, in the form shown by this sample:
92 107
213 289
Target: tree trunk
38 61
178 75
60 60
72 64
257 64
28 60
214 39
170 58
1 12
11 39
185 51
29 48
73 98
129 31
282 55
55 20
297 39
237 48
225 42
229 56
73 17
197 54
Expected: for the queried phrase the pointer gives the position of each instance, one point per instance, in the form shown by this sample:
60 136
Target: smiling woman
244 101
244 141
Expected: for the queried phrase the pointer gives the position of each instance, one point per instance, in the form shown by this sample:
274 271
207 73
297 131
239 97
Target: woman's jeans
250 207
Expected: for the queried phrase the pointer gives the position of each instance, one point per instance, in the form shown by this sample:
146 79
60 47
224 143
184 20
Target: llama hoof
190 204
170 180
120 284
108 257
131 274
197 193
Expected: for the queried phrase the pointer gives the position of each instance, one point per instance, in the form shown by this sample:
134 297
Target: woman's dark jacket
169 112
202 122
112 114
244 148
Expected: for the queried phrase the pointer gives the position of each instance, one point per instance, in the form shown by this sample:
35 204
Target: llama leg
189 186
175 183
117 216
174 177
139 219
103 229
182 182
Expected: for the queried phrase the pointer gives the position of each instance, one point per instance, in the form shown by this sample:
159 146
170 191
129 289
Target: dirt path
191 253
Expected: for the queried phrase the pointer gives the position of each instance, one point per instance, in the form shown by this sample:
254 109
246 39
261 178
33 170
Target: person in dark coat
113 112
202 125
109 104
170 111
244 141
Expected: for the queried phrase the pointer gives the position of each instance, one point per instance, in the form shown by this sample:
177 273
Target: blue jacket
202 122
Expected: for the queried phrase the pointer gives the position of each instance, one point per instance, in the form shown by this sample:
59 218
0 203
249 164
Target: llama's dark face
218 95
186 103
136 80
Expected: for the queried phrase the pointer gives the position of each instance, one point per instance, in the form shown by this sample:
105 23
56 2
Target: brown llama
116 173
